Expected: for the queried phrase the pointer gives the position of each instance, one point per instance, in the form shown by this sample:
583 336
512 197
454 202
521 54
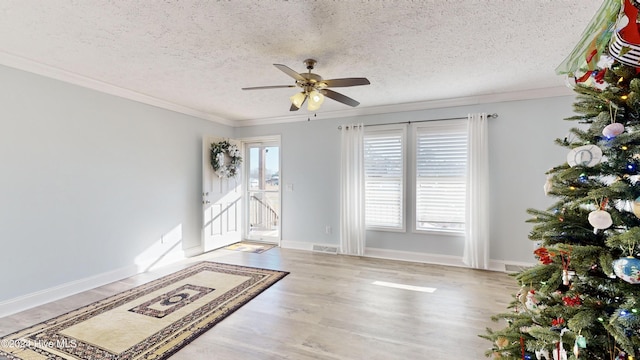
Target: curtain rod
419 121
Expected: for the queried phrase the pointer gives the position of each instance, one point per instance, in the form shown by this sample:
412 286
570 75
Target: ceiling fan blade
339 97
289 71
346 82
268 87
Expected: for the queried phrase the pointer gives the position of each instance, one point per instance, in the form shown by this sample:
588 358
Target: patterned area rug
257 248
151 321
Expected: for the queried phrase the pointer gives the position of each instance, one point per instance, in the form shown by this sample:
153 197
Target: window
440 181
437 173
384 178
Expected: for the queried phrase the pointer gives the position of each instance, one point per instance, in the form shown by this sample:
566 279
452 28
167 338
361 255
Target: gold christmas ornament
501 342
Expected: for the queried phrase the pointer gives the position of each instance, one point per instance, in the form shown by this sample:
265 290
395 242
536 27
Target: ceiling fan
314 87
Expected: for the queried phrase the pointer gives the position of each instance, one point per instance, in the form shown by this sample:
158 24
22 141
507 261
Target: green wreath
225 159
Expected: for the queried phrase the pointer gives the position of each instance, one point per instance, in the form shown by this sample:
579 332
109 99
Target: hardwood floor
328 308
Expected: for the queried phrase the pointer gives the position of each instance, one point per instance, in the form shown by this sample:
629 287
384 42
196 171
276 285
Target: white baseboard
193 251
24 302
448 260
298 245
41 297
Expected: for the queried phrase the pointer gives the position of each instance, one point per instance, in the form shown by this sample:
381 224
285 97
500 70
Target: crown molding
556 91
35 67
25 64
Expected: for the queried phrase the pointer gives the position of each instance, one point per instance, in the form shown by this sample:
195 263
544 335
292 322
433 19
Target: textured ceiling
199 54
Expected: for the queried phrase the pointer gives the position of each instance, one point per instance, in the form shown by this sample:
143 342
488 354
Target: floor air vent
514 268
325 249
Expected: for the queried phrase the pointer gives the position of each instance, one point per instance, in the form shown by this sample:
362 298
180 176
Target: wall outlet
327 229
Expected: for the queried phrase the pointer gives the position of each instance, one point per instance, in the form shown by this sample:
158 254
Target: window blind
441 165
384 178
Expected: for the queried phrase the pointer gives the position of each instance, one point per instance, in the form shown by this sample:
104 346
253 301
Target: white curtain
352 225
476 245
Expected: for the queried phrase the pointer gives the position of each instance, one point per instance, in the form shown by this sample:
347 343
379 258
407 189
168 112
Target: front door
263 191
221 200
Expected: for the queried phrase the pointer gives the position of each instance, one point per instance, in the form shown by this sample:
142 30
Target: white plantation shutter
384 178
441 165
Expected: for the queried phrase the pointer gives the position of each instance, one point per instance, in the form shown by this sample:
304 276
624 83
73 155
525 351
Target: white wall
89 181
522 149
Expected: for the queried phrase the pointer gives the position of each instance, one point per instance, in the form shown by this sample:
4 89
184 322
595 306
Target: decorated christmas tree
582 299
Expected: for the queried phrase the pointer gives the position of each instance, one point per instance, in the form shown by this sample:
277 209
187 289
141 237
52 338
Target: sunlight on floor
405 287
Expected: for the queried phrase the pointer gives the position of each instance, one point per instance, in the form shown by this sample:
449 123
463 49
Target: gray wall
89 181
521 150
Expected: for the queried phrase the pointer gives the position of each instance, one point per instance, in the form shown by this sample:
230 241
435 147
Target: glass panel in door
263 192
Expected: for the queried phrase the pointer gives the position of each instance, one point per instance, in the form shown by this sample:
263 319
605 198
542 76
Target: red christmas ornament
557 321
599 76
572 301
543 255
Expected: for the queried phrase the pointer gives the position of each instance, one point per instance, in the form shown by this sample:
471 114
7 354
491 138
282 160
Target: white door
221 201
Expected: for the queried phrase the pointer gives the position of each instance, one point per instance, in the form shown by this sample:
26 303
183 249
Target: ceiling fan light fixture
315 100
298 99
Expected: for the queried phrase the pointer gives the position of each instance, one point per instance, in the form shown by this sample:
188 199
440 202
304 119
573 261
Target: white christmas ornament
548 185
586 155
636 207
531 303
566 277
560 354
613 130
542 354
600 219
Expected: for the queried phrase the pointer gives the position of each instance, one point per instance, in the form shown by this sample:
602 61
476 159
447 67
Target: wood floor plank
329 308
